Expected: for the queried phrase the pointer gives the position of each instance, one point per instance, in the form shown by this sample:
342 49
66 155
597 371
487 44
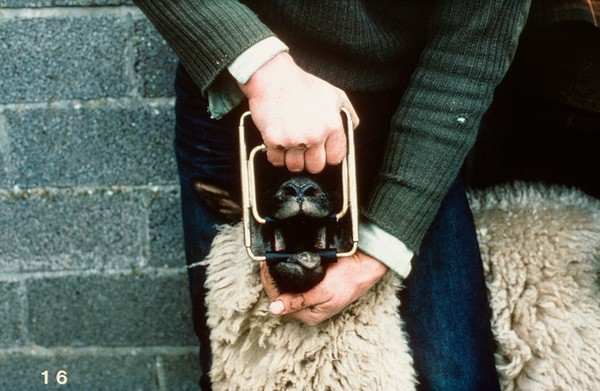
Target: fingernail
277 307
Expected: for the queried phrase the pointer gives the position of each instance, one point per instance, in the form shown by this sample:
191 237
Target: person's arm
206 35
297 113
374 241
470 46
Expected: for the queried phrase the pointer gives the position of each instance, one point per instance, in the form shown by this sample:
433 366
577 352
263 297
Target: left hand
345 282
298 115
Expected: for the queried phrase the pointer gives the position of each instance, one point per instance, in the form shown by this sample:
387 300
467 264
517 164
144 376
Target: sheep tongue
307 259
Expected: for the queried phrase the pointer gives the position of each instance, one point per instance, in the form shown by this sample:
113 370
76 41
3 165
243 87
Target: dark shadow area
544 123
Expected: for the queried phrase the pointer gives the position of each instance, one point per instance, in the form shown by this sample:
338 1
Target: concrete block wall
92 280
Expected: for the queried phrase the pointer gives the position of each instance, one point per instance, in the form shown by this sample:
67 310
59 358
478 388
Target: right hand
298 115
345 281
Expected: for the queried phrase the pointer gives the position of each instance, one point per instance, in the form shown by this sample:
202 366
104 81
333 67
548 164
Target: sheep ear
217 200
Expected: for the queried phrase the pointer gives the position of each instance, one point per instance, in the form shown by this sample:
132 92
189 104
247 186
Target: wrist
278 67
371 269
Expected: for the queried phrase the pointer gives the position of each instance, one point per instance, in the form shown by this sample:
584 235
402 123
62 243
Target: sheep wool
362 348
541 252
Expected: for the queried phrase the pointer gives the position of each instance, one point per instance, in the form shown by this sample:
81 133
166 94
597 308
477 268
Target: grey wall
91 260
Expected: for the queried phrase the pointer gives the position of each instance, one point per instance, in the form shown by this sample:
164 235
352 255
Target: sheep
541 252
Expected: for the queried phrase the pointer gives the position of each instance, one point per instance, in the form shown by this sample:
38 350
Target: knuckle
342 94
277 139
269 138
313 139
314 310
312 319
296 303
334 125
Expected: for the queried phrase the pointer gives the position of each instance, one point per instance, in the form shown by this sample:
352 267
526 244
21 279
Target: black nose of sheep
301 233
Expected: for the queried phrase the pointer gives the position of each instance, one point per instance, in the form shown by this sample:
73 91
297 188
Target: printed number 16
61 377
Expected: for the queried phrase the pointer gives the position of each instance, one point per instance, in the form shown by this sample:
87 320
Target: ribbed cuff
224 94
207 36
402 211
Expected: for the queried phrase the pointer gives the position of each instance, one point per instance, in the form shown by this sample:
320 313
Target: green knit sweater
464 48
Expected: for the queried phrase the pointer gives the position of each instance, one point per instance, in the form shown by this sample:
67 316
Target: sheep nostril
300 191
289 191
311 191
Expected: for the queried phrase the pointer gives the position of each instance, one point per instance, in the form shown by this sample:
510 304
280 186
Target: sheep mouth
300 240
300 253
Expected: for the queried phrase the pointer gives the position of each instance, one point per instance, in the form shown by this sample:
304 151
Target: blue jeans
444 304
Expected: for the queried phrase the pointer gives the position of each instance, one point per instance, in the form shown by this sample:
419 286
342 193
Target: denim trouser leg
205 150
444 304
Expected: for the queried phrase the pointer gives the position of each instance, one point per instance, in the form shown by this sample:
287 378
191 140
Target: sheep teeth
278 241
321 239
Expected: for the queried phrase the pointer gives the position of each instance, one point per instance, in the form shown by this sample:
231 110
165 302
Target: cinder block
165 229
111 143
11 315
55 230
59 58
181 372
118 310
83 372
5 170
155 61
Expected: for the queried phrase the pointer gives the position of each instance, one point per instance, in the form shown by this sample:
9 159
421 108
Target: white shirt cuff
247 63
224 94
385 247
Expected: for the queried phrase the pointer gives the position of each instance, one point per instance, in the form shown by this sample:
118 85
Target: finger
293 303
311 316
276 156
335 147
268 282
315 158
286 304
294 159
353 115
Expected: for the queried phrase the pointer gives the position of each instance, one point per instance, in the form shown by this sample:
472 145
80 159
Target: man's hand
345 282
298 115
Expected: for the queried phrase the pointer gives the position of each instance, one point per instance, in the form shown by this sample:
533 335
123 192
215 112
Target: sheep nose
300 191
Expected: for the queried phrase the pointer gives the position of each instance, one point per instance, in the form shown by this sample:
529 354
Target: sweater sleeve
469 48
206 35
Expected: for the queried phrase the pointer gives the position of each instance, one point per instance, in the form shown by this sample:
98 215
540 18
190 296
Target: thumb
285 304
277 307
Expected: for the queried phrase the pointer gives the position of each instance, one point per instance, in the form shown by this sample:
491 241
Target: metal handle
249 204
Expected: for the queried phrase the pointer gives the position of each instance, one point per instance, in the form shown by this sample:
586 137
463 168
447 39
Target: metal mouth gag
249 204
